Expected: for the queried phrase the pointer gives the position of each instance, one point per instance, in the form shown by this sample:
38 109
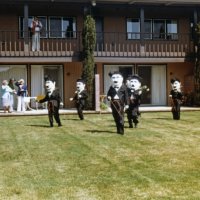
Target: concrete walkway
73 111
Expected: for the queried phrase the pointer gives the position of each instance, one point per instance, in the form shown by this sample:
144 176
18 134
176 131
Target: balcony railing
13 44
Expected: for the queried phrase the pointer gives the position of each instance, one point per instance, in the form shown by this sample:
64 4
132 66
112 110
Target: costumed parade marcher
53 98
118 97
5 95
134 94
176 98
21 93
36 27
80 97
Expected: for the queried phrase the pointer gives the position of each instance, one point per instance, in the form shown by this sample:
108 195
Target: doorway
154 77
38 72
99 33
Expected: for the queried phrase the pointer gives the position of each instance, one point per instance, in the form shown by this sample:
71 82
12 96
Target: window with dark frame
54 27
161 29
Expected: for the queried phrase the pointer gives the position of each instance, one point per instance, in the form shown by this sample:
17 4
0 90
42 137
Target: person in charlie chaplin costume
80 97
134 94
118 97
53 98
176 98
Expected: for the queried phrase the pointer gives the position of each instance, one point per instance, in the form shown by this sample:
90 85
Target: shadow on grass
162 118
74 119
38 125
100 131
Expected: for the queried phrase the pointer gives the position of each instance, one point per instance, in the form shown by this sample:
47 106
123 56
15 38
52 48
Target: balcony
115 45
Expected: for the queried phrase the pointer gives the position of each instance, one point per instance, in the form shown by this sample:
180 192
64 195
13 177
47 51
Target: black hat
136 76
174 79
116 72
80 80
48 78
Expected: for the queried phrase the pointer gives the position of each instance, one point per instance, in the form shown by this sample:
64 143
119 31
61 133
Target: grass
87 160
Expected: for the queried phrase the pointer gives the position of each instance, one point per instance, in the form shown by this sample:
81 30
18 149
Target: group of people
122 97
127 97
8 90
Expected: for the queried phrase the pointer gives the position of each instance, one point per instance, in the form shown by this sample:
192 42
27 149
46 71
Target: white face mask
50 86
176 86
117 80
135 84
80 86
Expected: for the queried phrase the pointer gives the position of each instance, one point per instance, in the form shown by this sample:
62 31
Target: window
133 29
55 27
172 29
159 29
148 29
62 27
164 29
30 18
69 27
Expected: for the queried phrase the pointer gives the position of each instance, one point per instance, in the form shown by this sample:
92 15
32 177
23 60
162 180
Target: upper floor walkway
171 47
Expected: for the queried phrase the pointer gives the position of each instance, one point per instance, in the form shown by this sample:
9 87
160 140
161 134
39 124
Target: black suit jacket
54 98
81 100
122 94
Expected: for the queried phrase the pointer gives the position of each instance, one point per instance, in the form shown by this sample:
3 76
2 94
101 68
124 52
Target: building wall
9 22
114 21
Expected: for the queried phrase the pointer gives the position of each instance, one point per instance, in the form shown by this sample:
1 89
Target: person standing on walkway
11 85
21 93
36 27
5 92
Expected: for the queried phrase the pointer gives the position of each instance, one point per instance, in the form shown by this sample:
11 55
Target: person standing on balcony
36 27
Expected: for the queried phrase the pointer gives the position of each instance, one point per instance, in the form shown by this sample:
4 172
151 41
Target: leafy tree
89 42
197 65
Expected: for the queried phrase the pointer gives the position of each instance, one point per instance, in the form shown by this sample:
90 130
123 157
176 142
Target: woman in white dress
5 95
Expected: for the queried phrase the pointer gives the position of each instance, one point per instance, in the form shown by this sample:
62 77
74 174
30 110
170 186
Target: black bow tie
116 87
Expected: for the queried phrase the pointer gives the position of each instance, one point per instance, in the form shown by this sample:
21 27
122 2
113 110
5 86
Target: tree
89 42
197 65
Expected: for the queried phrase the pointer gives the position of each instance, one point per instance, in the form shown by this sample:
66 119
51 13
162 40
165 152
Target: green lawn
87 160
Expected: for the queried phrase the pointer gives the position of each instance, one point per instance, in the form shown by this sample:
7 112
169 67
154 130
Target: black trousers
53 111
118 115
132 115
176 109
80 108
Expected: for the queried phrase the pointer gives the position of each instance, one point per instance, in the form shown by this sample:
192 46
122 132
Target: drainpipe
26 39
142 50
195 17
195 21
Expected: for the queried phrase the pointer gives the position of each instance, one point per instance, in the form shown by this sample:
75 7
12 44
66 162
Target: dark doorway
125 71
145 73
99 33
